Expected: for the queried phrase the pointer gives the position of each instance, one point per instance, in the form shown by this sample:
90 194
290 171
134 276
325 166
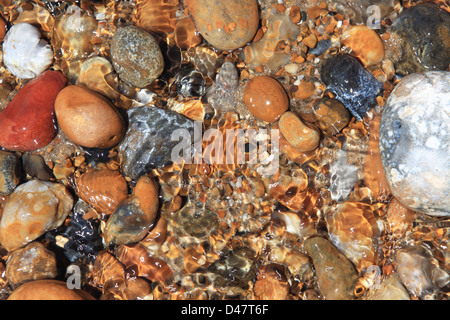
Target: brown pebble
87 118
2 29
295 14
103 189
186 34
314 12
305 90
365 43
48 290
298 134
331 114
265 98
310 41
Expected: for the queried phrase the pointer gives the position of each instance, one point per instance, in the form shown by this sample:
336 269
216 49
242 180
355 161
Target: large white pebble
25 54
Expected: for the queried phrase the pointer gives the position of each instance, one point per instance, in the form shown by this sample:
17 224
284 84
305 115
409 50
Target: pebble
3 29
390 288
186 33
147 141
335 274
226 25
321 47
302 137
265 98
271 283
424 30
353 85
34 165
134 216
399 219
156 15
365 44
374 177
310 41
87 118
10 172
48 290
136 56
31 109
414 142
33 262
32 209
331 115
104 190
418 272
305 90
25 54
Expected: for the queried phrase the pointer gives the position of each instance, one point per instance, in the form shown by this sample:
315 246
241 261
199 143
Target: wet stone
147 141
136 56
34 165
189 83
331 115
424 30
10 172
226 25
353 85
32 262
414 142
48 289
336 275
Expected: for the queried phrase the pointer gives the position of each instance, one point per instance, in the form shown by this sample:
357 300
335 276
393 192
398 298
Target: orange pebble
265 98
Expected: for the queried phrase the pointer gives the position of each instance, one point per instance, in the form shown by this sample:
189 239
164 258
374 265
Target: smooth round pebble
87 118
225 24
365 44
414 142
297 133
48 290
265 98
136 56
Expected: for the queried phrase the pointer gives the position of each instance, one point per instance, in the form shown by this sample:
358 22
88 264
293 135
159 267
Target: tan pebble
33 208
400 219
265 98
365 43
305 90
299 135
271 283
103 189
292 68
33 262
331 114
314 12
310 41
2 29
88 119
295 14
62 172
48 290
186 34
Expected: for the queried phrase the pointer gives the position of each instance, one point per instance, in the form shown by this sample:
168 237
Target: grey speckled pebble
414 142
10 172
136 56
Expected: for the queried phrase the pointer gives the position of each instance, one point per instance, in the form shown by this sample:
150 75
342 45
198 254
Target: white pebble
25 54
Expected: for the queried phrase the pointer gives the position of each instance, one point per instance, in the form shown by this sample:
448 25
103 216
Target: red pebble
28 121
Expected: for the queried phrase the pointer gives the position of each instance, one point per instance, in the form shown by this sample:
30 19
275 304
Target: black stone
321 47
147 143
425 33
352 84
35 166
189 83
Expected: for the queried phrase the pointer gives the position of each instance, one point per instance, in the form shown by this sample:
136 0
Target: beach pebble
365 44
10 172
48 290
31 109
414 142
87 118
265 98
331 115
33 262
25 54
136 56
297 133
226 25
31 210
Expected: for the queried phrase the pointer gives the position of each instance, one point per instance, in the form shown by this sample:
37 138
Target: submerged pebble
353 85
297 133
265 98
10 172
88 119
147 142
33 262
48 290
136 56
365 44
226 25
32 209
25 54
424 30
414 142
31 110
